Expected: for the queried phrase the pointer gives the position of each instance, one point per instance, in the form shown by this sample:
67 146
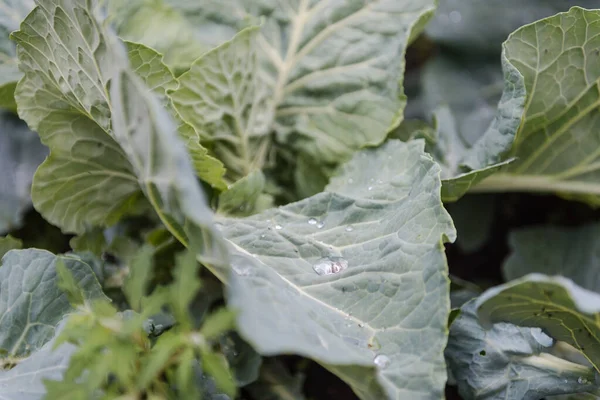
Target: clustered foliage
221 183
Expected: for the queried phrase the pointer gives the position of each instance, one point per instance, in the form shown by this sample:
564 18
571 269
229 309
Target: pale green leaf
148 64
162 27
509 363
31 302
335 76
567 312
224 98
556 143
26 380
571 252
382 214
8 243
109 142
245 197
20 154
140 273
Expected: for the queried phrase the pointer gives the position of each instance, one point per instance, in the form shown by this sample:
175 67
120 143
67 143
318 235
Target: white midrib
290 56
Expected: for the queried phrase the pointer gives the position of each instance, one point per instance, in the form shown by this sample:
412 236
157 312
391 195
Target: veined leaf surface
380 324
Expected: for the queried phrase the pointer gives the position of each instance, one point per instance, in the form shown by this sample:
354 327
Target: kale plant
308 199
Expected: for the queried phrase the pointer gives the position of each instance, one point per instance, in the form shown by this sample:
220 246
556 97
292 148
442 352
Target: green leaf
245 197
8 243
140 273
217 323
20 154
186 284
319 88
11 14
31 302
148 64
383 216
555 145
26 380
216 366
565 311
158 25
335 78
479 26
223 97
108 142
570 252
509 363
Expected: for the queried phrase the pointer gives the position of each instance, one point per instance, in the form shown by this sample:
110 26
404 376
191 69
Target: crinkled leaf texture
565 311
148 64
11 14
383 216
571 252
26 380
225 99
331 67
507 362
109 143
31 303
20 154
556 143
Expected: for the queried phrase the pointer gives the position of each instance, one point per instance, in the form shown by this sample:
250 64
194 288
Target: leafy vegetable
242 205
381 218
566 311
508 362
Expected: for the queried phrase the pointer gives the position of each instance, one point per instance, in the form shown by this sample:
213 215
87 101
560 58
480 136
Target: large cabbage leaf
354 277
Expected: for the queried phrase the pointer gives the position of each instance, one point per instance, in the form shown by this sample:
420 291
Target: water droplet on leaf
349 228
370 188
312 221
330 265
582 380
278 227
455 17
320 225
382 361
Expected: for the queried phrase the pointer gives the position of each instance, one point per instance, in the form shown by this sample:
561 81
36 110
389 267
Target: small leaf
507 362
223 97
8 243
564 310
31 302
140 270
217 323
244 197
216 366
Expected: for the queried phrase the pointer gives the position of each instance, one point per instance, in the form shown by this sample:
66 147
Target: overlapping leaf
148 65
556 145
31 302
565 311
509 363
225 99
335 71
108 143
383 216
